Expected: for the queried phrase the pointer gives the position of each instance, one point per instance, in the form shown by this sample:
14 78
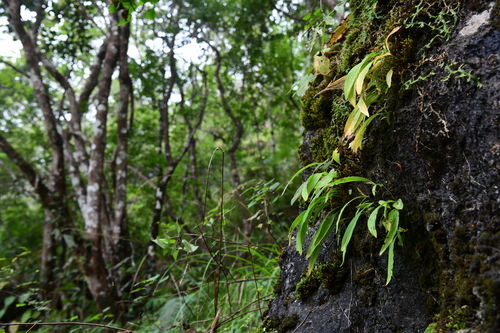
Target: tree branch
66 323
20 71
28 171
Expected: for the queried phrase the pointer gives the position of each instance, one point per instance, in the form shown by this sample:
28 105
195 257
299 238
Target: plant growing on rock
360 89
321 191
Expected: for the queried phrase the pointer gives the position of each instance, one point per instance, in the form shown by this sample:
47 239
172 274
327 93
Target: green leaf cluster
321 194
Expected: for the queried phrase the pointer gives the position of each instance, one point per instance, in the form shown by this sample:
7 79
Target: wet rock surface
440 154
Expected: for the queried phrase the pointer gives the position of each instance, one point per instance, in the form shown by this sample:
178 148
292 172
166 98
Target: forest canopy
143 148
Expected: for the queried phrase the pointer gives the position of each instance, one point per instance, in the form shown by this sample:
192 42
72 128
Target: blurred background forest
143 150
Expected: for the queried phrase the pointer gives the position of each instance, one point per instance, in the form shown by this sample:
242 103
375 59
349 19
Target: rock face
439 153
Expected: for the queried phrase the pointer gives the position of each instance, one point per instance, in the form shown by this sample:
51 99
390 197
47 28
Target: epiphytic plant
320 192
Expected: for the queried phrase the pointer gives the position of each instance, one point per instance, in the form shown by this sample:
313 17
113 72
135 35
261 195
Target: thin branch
65 323
93 77
142 176
28 171
20 71
40 15
302 322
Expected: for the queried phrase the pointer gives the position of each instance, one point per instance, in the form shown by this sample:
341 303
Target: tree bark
55 205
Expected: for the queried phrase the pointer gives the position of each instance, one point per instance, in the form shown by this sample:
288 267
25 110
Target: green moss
288 323
353 49
307 285
316 110
323 144
422 23
279 324
451 321
331 276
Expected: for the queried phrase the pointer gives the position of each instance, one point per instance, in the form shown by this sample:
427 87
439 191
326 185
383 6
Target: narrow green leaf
361 78
348 234
342 211
300 171
358 139
295 223
352 120
390 263
363 108
304 192
349 92
323 231
326 180
311 183
298 193
365 205
394 220
351 179
372 219
336 156
301 234
349 89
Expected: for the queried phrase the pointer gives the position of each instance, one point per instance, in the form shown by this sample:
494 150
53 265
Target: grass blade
301 234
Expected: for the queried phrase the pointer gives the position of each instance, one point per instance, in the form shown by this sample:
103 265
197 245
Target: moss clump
316 111
331 276
279 324
451 321
353 49
323 144
307 285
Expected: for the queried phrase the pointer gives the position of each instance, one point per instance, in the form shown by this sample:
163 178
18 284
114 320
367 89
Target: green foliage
457 72
438 22
321 193
258 61
361 90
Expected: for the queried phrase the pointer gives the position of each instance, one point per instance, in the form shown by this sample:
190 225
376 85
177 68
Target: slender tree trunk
99 250
55 206
119 230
